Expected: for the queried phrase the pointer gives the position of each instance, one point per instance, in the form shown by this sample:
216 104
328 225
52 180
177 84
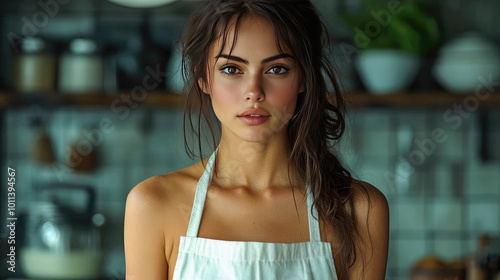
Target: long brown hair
319 119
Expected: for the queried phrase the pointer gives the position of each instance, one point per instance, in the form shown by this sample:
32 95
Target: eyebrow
239 59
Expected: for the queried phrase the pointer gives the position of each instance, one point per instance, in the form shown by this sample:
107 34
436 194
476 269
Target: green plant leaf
411 29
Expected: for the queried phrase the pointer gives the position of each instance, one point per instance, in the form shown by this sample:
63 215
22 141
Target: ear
302 87
202 85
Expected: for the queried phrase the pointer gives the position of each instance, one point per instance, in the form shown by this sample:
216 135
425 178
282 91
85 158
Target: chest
234 216
231 216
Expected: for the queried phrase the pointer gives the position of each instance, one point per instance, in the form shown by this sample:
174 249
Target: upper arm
143 233
373 224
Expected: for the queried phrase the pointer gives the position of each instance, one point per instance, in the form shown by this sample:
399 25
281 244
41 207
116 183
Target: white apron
211 259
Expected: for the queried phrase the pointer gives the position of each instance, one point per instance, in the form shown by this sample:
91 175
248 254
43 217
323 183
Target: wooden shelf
160 99
422 100
51 99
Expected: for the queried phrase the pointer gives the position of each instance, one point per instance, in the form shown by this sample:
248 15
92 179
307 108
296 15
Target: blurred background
90 105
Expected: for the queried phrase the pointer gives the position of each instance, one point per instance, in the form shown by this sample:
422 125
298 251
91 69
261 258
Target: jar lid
83 46
33 45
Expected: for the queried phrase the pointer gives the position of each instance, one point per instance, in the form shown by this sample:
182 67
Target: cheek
284 99
284 92
224 96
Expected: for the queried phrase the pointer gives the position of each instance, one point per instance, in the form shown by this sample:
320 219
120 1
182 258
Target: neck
254 166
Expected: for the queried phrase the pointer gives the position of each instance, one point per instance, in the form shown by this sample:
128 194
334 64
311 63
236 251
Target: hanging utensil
42 151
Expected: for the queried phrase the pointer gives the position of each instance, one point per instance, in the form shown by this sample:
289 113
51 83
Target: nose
255 93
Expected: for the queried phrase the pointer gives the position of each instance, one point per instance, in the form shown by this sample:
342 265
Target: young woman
272 201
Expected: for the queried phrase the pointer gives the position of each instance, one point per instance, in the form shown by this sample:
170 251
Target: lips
254 113
253 120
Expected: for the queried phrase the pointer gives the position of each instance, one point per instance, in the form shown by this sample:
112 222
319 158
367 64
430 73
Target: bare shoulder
150 192
158 190
369 199
152 223
144 238
157 195
372 218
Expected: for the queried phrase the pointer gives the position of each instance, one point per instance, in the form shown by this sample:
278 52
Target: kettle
63 240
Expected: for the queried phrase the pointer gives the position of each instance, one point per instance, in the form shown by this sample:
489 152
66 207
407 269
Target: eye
278 67
231 72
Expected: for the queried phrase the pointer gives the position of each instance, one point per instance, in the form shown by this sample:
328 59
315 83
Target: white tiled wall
446 214
453 192
448 249
411 214
483 216
408 251
453 196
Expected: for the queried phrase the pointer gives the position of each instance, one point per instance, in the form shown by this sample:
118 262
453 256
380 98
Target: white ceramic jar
34 67
81 68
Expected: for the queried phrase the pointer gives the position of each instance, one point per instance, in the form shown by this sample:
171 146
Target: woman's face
256 76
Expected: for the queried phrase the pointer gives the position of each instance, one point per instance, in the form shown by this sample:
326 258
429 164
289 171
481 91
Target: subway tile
348 149
11 119
398 274
393 214
446 215
456 122
115 263
158 169
392 260
411 215
163 120
409 252
114 213
352 161
375 173
21 140
407 182
349 143
113 147
443 179
448 250
378 143
472 140
483 217
457 136
475 162
378 120
494 142
125 146
473 244
133 176
453 145
110 185
159 143
470 246
157 164
483 181
416 119
11 137
61 172
448 179
354 120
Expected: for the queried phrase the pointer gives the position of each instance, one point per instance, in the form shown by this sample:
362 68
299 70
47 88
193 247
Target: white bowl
463 61
464 77
387 70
